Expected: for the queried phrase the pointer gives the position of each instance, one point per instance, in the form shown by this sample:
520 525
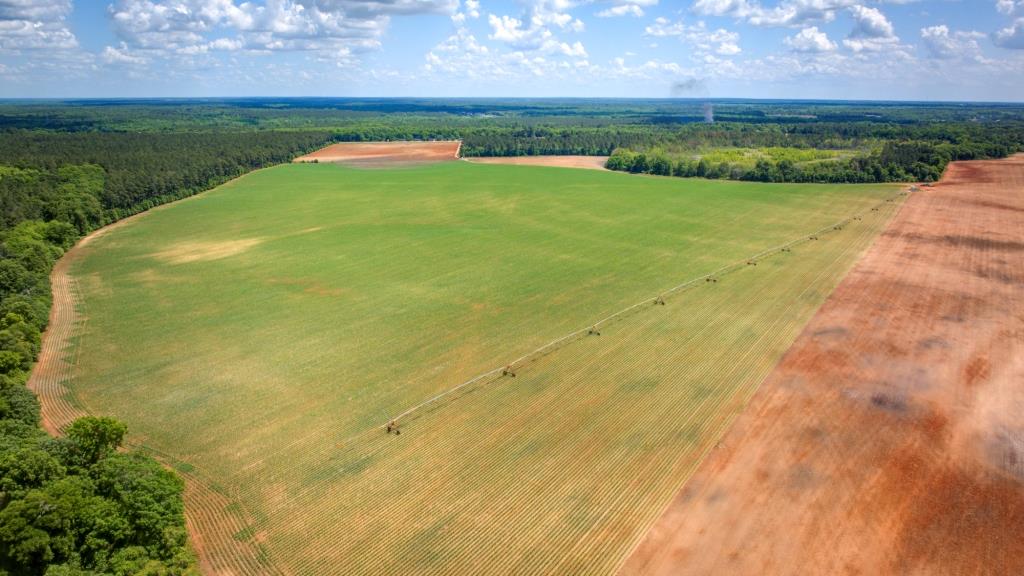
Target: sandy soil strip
889 438
588 162
53 369
383 154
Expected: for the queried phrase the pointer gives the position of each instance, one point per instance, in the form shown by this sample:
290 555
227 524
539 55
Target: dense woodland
75 505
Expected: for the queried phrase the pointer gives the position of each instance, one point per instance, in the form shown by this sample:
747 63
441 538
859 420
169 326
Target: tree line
896 161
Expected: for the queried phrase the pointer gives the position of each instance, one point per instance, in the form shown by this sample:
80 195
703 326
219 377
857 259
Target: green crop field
259 334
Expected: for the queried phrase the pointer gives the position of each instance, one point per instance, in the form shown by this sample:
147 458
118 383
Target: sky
807 49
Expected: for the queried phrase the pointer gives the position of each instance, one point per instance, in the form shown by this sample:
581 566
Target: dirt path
588 162
53 369
889 440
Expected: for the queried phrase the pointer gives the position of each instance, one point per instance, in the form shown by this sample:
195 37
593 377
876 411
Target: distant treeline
896 161
73 505
91 178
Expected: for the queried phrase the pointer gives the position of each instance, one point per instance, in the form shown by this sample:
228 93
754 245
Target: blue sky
856 49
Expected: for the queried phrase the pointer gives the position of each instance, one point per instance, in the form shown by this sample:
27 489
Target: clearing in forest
261 335
385 154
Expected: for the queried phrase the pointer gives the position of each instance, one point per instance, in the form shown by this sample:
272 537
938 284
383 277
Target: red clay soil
588 162
385 154
890 438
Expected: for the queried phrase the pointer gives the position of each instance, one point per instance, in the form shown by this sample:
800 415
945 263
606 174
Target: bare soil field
889 439
588 162
385 154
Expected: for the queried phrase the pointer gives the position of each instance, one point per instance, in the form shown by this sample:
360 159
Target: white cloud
38 10
535 31
621 10
720 41
664 27
704 40
35 25
1009 6
946 45
121 55
326 26
575 50
789 13
810 40
1011 37
470 9
626 7
872 31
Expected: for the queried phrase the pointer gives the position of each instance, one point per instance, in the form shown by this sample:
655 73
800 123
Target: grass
748 157
257 332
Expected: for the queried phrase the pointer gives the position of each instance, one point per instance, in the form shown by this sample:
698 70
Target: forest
77 505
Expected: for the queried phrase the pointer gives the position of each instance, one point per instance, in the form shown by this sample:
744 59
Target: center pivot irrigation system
594 329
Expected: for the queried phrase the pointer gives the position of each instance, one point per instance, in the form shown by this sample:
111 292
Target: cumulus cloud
626 8
703 39
788 13
470 9
872 31
326 26
943 44
121 55
463 56
1009 6
35 24
810 40
1012 36
536 30
664 27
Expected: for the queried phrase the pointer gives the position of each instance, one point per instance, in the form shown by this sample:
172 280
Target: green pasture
261 331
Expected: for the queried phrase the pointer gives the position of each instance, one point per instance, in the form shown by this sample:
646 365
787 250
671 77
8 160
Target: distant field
259 333
385 154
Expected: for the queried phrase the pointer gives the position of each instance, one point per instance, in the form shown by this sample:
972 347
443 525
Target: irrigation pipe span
592 327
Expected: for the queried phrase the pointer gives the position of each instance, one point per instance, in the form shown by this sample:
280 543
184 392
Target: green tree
95 437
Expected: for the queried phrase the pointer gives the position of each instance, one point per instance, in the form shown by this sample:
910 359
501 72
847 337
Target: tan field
385 154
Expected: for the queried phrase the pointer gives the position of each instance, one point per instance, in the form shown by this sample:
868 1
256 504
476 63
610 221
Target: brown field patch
888 440
385 154
587 162
185 252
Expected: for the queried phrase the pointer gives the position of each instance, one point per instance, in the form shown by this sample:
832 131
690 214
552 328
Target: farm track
889 439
